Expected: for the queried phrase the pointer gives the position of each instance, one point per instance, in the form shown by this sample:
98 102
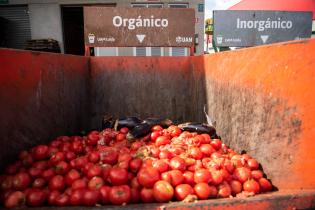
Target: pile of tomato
105 168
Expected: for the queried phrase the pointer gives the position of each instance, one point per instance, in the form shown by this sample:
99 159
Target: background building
62 20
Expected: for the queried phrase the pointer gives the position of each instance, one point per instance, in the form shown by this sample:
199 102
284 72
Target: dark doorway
73 29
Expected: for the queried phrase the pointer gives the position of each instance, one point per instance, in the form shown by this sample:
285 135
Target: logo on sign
91 38
219 39
180 39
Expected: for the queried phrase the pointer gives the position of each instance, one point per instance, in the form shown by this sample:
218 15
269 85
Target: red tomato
35 198
40 152
48 174
163 191
21 181
119 195
120 137
202 175
118 176
216 144
224 190
157 128
202 190
52 151
178 163
166 176
95 170
161 165
148 176
176 177
174 130
251 186
62 167
80 162
135 165
109 157
71 176
77 147
190 161
62 200
70 156
57 157
14 200
207 150
265 185
147 163
135 184
76 197
236 161
216 177
257 174
188 178
92 138
124 130
228 165
165 154
146 195
39 183
57 183
154 135
35 172
236 187
242 174
106 169
253 164
182 191
95 183
185 134
52 197
195 153
162 140
135 195
155 152
94 157
104 191
79 184
206 138
91 197
213 191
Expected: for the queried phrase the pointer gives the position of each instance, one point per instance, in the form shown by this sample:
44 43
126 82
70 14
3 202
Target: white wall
45 20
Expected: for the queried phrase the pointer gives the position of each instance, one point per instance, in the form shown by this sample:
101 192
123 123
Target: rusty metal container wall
166 87
263 101
42 96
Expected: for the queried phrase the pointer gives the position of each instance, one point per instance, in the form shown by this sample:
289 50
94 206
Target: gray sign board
249 28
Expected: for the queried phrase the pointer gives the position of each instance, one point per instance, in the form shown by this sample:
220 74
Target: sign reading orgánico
249 28
134 27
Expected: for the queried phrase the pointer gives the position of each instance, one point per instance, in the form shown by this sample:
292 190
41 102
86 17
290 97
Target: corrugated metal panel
15 24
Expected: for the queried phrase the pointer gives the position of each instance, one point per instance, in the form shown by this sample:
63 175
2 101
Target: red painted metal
261 97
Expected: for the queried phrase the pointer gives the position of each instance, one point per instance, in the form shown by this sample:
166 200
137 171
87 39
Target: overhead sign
135 27
249 28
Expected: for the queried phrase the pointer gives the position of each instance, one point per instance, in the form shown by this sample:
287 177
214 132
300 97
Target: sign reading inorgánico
250 28
135 27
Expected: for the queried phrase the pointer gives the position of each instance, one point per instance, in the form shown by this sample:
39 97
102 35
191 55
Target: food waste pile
131 161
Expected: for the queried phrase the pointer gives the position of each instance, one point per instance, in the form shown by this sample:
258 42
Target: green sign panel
4 1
